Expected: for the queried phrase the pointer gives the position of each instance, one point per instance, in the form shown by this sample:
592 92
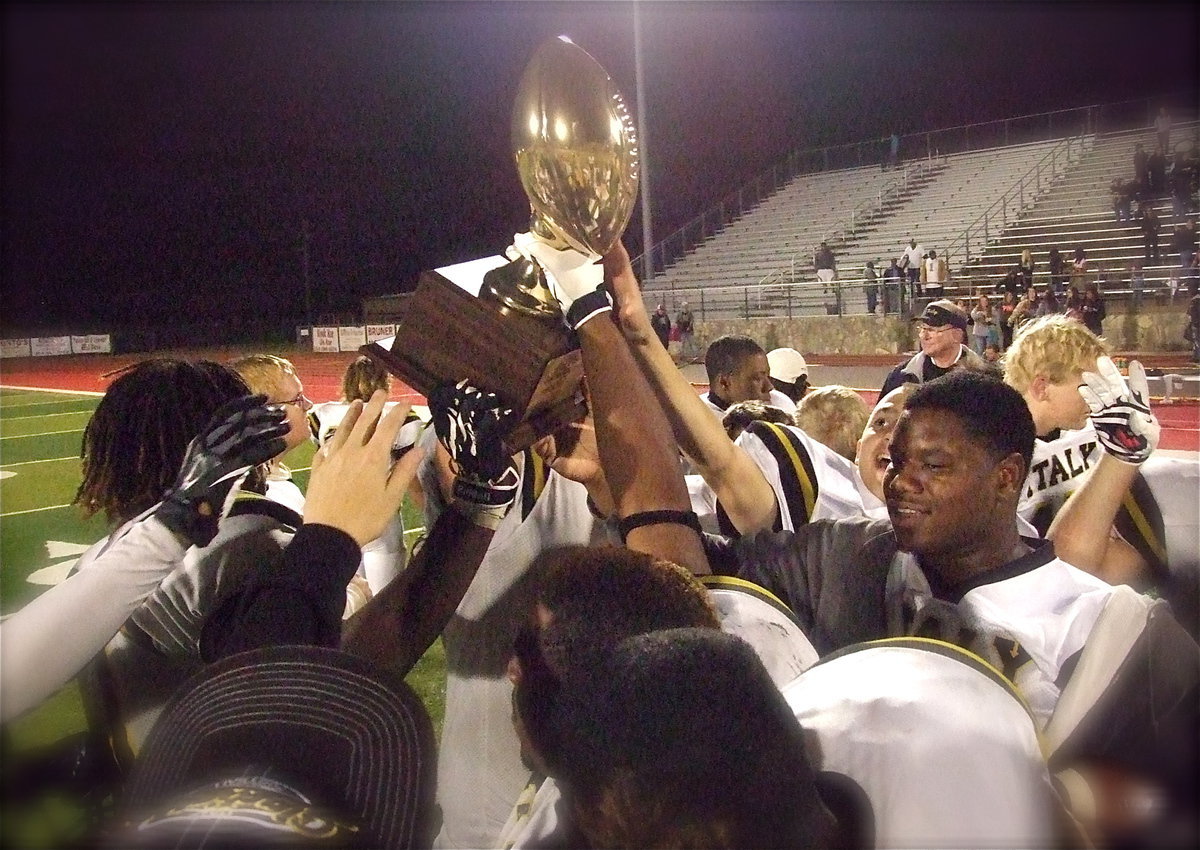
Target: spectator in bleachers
1162 129
1122 199
1025 310
937 274
1025 269
1004 311
913 263
1156 175
1141 171
826 267
982 324
871 286
1150 228
893 281
1182 183
685 323
1183 241
1079 267
1058 278
1074 304
1137 283
1190 281
1093 310
661 322
1048 304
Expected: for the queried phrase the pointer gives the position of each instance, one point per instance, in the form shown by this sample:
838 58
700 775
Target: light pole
305 237
643 138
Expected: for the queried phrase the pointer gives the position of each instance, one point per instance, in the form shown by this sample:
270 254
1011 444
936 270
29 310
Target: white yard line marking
35 510
48 415
40 434
95 393
46 460
6 404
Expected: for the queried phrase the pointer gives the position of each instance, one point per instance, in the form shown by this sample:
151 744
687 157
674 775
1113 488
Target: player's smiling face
872 455
941 487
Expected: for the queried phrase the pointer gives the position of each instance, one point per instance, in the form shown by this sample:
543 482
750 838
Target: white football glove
1121 411
577 280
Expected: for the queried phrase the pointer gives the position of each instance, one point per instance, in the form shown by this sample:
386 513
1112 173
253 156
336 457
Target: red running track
322 375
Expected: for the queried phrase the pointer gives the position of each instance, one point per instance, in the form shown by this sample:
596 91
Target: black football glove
470 425
240 435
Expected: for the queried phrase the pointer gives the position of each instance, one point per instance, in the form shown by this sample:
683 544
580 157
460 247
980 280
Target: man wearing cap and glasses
942 332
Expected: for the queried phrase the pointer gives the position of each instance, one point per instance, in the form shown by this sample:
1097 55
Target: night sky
160 159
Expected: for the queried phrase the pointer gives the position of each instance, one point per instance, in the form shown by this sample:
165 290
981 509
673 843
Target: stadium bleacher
980 209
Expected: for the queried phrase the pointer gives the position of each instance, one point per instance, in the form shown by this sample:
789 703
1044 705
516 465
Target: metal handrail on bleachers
1056 160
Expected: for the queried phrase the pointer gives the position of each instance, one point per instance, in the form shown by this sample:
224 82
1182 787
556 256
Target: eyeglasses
928 331
301 401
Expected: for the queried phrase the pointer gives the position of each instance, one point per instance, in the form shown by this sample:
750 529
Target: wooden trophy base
531 362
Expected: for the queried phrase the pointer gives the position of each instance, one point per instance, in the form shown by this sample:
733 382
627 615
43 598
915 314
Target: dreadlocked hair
134 443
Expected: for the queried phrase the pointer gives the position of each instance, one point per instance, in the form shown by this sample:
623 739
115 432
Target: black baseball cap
288 746
941 313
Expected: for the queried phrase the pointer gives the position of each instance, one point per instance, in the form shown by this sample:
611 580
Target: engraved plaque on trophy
494 321
447 333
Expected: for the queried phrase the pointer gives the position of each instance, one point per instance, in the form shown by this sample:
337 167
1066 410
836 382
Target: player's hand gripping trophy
577 155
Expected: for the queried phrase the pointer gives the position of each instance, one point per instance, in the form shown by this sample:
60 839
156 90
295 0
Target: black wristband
629 523
588 306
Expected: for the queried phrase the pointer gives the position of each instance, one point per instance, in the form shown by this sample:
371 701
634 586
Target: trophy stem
521 286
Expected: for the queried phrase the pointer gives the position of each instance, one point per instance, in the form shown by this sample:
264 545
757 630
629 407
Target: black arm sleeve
832 574
298 600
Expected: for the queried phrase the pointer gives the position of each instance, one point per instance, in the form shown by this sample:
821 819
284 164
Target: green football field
41 537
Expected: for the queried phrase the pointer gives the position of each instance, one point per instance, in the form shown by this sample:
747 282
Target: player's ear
1037 387
1010 473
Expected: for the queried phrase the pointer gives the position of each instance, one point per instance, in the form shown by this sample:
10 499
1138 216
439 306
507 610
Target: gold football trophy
576 151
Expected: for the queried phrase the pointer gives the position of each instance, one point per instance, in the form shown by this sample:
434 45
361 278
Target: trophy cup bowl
576 152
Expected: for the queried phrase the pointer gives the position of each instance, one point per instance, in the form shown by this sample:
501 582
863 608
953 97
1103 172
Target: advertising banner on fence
377 332
92 344
14 348
325 339
50 346
350 338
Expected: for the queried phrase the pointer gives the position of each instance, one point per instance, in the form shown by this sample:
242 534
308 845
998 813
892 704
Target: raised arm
53 637
739 484
1128 433
396 627
636 447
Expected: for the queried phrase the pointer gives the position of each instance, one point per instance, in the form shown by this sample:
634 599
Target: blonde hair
834 415
1055 347
263 373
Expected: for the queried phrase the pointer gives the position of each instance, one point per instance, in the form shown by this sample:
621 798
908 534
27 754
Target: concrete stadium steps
1077 211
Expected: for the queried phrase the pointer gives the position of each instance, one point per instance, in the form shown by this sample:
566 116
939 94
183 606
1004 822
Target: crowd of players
764 617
